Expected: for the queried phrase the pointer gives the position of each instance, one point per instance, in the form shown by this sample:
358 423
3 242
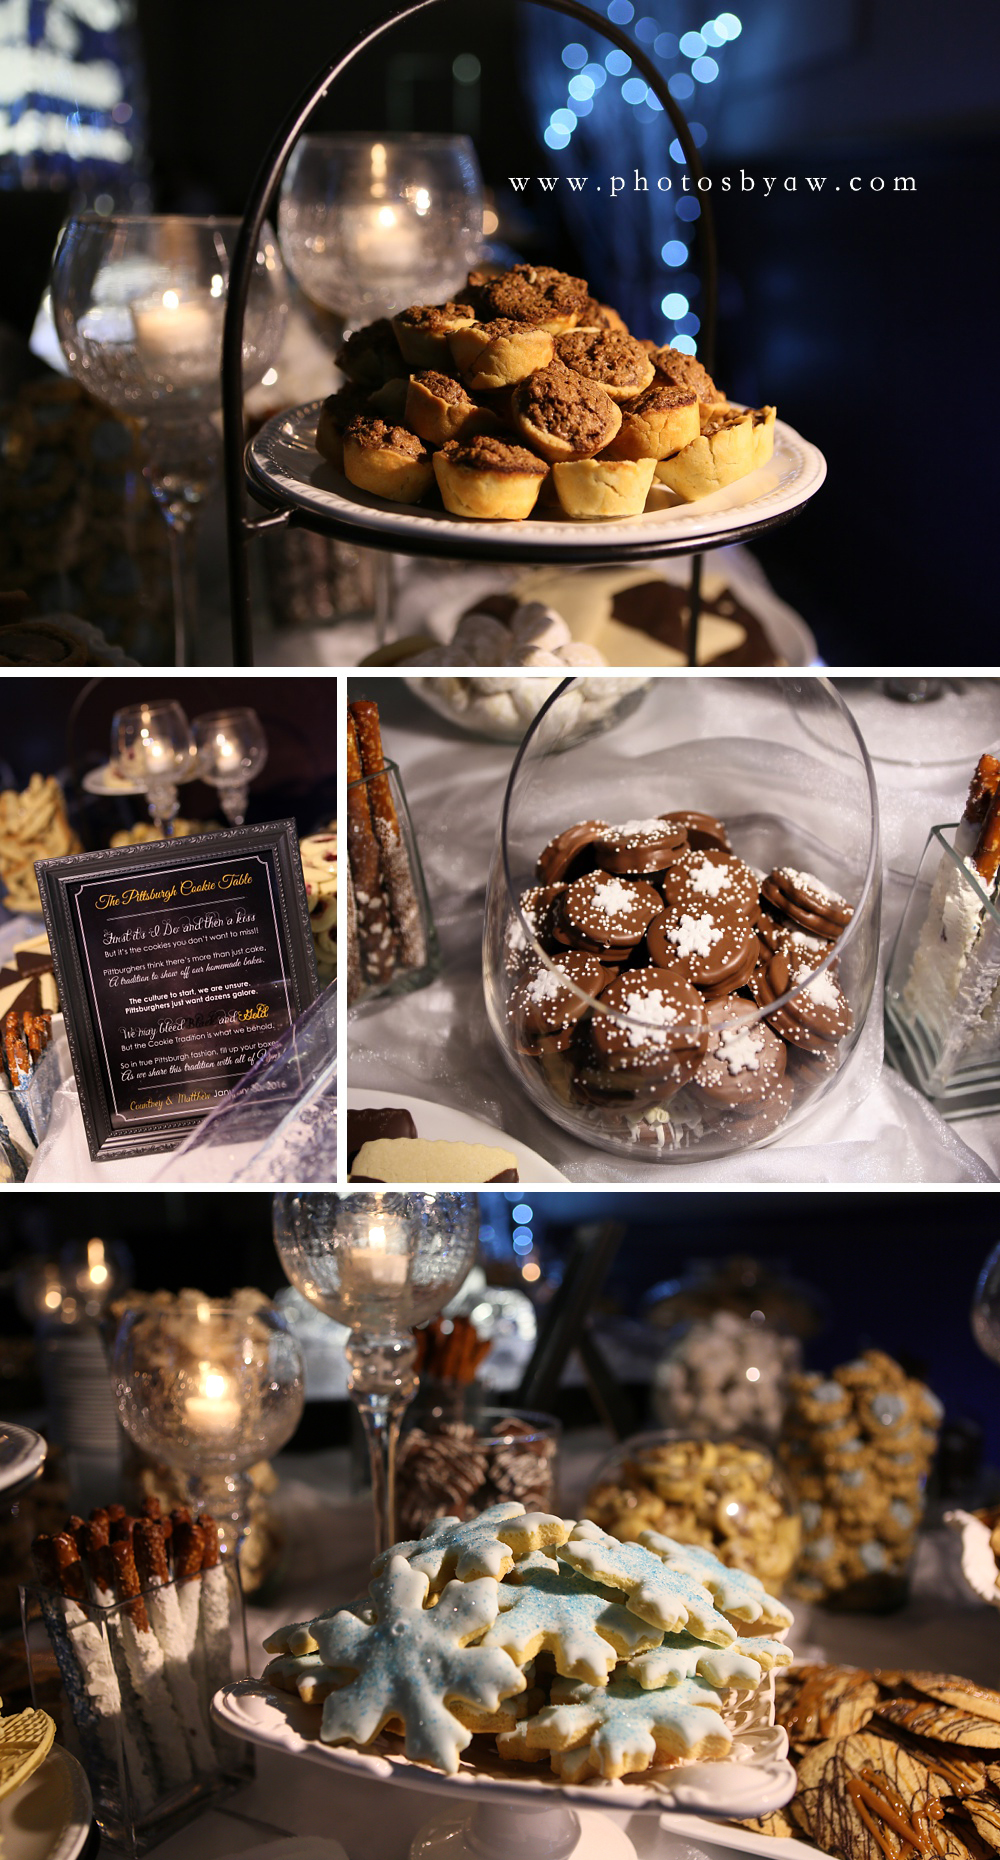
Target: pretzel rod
150 1553
187 1548
145 1660
209 1541
121 1530
215 1637
101 1564
354 977
175 1638
397 871
128 1588
115 1511
986 857
376 941
982 789
83 1658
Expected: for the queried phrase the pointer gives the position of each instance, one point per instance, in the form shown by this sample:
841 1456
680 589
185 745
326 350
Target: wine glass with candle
151 745
139 304
210 1386
371 224
231 748
380 1263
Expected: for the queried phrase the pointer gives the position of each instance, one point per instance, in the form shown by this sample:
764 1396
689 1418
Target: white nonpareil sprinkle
655 1011
640 830
709 880
614 899
739 1049
804 881
694 935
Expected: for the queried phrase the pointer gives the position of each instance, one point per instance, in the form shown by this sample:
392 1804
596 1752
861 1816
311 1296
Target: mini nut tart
603 487
438 409
495 355
387 460
422 332
563 415
536 294
335 416
371 356
722 453
683 370
618 363
763 434
657 423
488 477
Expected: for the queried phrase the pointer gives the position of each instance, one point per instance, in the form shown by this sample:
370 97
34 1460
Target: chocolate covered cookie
807 901
701 879
602 912
638 846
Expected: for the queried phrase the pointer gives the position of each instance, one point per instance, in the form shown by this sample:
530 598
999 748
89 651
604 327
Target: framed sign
179 962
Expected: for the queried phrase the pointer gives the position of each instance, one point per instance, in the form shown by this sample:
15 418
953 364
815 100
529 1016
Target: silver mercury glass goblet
151 745
380 1263
210 1386
231 748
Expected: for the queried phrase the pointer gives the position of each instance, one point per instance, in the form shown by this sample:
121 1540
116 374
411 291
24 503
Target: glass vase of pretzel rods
132 1625
392 945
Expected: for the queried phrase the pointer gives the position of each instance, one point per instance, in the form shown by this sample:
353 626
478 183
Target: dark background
892 1271
865 317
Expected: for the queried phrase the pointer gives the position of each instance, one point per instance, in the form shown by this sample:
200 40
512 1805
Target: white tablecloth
437 1045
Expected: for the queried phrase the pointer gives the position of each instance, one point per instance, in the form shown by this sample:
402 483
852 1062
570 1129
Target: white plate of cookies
524 419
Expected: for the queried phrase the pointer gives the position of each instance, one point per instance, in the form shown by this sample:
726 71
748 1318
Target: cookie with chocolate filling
807 901
702 878
563 855
371 355
535 294
387 460
657 423
744 1061
422 332
438 409
817 1017
617 363
488 477
594 488
537 904
563 416
497 355
636 847
335 416
781 936
722 454
600 912
704 832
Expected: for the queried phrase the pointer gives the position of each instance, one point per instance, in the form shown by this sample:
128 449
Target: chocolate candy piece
600 912
803 898
544 1007
818 1016
666 1032
537 906
638 846
703 830
566 850
367 1126
745 1059
699 881
782 938
710 945
743 1125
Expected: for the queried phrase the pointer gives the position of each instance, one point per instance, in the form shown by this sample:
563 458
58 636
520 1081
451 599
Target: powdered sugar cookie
621 1728
412 1661
668 1598
484 1546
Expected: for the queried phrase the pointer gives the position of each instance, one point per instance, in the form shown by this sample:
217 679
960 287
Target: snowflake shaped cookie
484 1546
666 1597
545 1607
737 1668
411 1661
734 1591
617 1729
298 1637
306 1674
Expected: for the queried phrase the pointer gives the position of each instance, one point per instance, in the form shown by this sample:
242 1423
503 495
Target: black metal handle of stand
241 528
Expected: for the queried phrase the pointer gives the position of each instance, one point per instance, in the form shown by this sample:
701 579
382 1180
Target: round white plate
22 1453
697 1828
756 1779
104 781
49 1817
439 1123
283 461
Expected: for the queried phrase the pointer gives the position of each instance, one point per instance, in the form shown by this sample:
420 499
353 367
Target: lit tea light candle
228 757
214 1409
177 331
378 1265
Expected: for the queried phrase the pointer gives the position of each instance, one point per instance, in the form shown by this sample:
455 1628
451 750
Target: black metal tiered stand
282 508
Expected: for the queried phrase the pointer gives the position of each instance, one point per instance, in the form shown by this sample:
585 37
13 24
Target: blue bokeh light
583 105
674 253
596 74
681 86
705 70
711 34
647 29
574 56
665 45
556 138
686 344
689 325
622 12
729 25
563 119
675 306
692 45
618 63
522 1212
580 87
688 208
634 90
522 1233
699 134
522 1245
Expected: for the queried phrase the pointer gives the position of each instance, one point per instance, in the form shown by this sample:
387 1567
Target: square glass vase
130 1689
942 992
391 942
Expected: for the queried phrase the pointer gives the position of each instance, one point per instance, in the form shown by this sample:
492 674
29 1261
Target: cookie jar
767 780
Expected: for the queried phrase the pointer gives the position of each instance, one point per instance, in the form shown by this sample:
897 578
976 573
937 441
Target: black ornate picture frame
178 963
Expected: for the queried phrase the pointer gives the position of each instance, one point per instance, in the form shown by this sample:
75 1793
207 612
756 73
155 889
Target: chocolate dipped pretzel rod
214 1611
397 873
986 856
146 1664
174 1636
376 939
982 790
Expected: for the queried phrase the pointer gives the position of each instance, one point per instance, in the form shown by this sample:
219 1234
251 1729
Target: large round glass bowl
782 764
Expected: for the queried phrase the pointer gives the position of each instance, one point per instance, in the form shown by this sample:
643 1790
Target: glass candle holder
210 1389
942 992
231 749
151 746
130 1684
379 1263
392 945
779 767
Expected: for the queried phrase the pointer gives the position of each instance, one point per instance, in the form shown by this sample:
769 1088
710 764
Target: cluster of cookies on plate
608 1659
661 948
890 1763
529 391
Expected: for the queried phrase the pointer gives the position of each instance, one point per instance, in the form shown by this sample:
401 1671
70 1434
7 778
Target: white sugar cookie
484 1546
560 1612
734 1591
667 1598
622 1727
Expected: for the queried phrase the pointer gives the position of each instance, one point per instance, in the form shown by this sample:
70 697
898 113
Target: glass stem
184 588
381 1385
226 1497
